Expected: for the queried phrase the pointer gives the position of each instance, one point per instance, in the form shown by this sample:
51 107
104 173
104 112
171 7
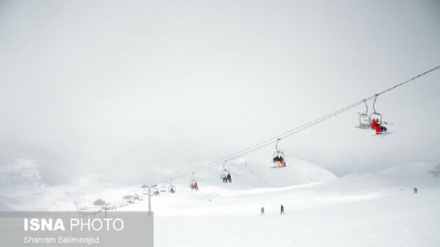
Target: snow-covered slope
373 209
224 199
405 177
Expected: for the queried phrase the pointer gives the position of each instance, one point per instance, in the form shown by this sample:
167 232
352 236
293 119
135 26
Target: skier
415 190
383 128
196 187
283 163
262 210
378 127
277 160
282 209
225 179
229 178
373 124
192 186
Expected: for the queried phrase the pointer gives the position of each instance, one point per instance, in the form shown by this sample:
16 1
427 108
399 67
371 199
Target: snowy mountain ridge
250 177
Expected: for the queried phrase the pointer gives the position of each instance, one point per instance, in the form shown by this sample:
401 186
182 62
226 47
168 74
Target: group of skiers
227 178
194 186
279 161
378 126
281 212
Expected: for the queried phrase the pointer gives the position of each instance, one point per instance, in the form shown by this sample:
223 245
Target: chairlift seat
192 182
278 154
224 173
364 121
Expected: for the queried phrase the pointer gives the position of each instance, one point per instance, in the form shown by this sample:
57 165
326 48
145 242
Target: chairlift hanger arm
366 106
276 145
374 102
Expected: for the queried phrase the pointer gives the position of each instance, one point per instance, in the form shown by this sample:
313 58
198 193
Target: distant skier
196 186
225 178
282 209
277 160
229 178
283 162
262 210
415 190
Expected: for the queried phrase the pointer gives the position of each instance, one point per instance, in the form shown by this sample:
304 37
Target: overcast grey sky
127 87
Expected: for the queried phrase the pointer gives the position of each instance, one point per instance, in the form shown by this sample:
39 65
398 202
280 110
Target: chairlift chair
163 188
225 172
278 156
172 188
364 119
156 191
192 182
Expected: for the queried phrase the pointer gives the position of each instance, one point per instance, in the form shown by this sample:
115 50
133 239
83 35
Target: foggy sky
130 87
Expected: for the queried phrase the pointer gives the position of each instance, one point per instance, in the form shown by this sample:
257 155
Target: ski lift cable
268 141
409 80
300 128
297 129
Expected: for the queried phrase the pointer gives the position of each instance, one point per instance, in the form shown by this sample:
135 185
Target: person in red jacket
378 127
373 123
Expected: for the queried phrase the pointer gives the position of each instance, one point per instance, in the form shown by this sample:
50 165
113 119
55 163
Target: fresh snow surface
374 209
